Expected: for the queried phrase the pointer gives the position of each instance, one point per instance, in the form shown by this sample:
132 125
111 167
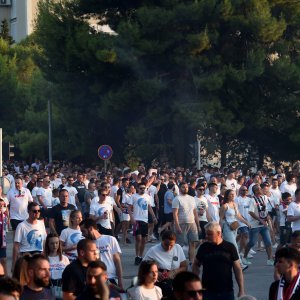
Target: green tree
4 32
172 67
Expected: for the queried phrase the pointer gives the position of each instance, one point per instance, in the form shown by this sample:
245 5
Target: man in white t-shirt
30 235
293 213
243 203
18 199
100 211
109 250
213 202
231 182
138 210
168 255
186 219
44 196
73 199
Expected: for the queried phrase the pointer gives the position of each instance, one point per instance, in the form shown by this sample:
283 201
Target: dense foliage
168 68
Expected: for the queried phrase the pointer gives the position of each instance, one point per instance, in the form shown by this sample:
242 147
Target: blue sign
105 152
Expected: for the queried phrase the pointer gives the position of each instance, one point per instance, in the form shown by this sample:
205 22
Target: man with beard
38 272
74 275
109 249
96 283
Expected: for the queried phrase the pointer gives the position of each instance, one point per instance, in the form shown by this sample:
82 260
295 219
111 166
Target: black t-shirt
161 194
61 215
81 188
120 192
74 277
274 289
217 262
29 294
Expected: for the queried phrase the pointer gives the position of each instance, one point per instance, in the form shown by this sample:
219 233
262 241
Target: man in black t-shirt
59 214
74 275
218 258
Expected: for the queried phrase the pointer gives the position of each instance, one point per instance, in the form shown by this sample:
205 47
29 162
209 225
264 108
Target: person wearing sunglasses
202 209
187 286
30 235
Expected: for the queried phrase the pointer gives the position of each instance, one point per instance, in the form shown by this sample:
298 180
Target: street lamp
199 149
50 129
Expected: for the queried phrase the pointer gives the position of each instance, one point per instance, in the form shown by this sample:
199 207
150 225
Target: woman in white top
72 235
147 276
57 261
229 214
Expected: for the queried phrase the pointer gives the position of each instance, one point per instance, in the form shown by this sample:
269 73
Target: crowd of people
70 224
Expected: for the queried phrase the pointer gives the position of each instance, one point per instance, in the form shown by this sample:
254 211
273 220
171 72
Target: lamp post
199 149
50 129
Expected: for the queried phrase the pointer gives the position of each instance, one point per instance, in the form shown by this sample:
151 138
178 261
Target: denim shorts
243 229
264 231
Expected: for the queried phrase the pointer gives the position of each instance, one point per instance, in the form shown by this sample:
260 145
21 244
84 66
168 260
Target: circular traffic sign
105 152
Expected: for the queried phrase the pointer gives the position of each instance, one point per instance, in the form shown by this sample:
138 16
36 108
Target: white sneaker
274 246
241 254
250 255
153 237
245 261
270 262
252 251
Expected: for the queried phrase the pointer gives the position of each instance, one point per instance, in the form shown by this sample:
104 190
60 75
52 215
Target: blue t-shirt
167 206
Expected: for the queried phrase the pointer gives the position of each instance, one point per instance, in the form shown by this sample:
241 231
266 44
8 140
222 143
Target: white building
20 15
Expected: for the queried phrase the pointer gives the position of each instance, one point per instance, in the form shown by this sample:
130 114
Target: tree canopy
169 68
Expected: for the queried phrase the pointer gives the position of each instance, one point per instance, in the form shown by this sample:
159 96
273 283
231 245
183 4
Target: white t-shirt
277 194
72 193
98 210
46 195
232 184
71 237
30 236
141 293
140 207
213 207
167 260
289 188
18 203
243 204
253 207
186 205
57 266
282 214
152 191
201 206
294 211
108 246
113 191
34 193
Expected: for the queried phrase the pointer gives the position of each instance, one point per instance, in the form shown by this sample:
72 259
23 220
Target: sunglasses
142 188
200 189
35 211
194 293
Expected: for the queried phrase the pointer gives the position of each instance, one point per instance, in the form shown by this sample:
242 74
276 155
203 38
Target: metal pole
50 129
199 150
105 165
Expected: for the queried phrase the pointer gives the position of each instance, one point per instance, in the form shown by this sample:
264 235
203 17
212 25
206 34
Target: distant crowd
70 223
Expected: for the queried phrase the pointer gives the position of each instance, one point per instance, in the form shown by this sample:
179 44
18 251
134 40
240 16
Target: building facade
20 15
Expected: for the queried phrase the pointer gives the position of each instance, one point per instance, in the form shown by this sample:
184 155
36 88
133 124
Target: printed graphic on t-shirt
35 240
65 214
75 237
142 203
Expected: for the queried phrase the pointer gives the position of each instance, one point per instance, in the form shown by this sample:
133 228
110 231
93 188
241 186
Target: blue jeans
264 231
207 295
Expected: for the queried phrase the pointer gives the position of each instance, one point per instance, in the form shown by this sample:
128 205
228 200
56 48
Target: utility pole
199 149
50 129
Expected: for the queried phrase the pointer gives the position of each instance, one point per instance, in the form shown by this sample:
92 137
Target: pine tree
4 32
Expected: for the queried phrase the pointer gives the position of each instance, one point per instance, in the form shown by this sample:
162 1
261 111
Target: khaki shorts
189 234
